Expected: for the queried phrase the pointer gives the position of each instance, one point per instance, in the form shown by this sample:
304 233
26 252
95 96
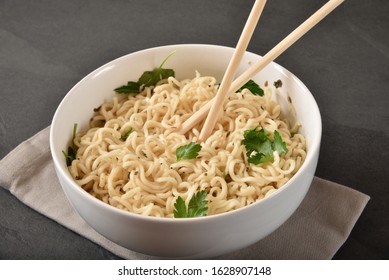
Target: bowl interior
97 87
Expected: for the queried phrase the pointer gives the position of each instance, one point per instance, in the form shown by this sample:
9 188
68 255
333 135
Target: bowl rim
107 207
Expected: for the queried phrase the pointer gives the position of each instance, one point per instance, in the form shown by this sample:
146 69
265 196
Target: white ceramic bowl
184 238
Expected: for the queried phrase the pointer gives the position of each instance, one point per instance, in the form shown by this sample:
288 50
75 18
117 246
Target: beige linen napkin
316 230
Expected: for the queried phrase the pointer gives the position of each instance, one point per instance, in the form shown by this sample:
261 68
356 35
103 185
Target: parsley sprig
253 87
72 149
259 147
197 206
148 78
189 151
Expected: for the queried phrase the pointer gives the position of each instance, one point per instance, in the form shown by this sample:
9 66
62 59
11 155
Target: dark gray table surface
48 46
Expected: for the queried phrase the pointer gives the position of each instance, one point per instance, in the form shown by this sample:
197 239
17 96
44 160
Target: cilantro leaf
131 87
180 208
151 78
71 153
147 79
259 148
197 206
253 87
189 151
126 134
278 144
69 156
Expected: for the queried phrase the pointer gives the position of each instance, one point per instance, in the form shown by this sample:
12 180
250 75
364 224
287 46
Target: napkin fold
317 229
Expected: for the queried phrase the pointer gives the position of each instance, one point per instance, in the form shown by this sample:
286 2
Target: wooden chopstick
232 67
255 68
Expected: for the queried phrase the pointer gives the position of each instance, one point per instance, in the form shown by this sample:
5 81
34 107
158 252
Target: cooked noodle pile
140 174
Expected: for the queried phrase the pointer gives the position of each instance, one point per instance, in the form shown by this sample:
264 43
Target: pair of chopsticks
213 107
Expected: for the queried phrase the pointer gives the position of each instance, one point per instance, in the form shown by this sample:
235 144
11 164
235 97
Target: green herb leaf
278 144
147 79
131 87
126 134
253 87
259 148
151 78
197 206
69 156
180 208
189 151
72 149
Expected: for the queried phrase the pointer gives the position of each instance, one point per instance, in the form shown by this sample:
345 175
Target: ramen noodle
140 173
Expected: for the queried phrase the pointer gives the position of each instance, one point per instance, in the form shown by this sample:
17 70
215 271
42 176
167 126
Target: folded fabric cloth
316 230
